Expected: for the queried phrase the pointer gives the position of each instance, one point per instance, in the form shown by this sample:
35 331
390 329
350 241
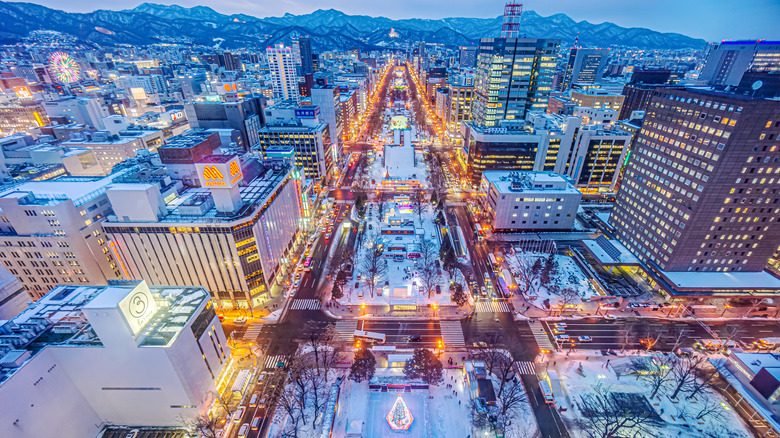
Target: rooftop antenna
511 26
576 40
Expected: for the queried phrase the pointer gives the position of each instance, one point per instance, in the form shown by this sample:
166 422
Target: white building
283 76
81 110
84 357
110 150
13 296
52 233
526 201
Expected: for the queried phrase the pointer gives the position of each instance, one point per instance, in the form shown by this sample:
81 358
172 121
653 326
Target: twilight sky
712 20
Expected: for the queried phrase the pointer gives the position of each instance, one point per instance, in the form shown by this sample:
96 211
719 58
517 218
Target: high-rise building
468 57
700 192
245 116
585 66
459 105
328 99
284 79
66 347
728 61
514 76
307 63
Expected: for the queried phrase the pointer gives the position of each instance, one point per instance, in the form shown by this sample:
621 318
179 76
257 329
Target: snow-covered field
580 375
569 276
401 275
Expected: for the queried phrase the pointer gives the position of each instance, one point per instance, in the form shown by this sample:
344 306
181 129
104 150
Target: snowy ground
576 382
401 274
437 412
569 275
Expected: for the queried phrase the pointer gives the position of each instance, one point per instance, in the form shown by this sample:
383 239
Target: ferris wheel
65 69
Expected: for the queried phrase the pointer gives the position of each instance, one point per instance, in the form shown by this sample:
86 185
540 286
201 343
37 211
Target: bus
509 279
547 393
377 338
501 288
479 233
458 244
307 264
493 263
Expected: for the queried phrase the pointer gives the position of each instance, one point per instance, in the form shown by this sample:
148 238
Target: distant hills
151 23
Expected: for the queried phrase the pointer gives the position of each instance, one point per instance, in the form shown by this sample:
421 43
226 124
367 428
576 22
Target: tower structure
511 26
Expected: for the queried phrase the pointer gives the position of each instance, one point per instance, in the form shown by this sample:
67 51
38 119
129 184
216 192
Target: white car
562 338
560 325
585 339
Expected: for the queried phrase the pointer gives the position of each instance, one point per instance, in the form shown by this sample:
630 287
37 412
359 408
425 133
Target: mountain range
151 23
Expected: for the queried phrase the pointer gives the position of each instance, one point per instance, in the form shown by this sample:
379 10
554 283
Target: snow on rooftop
624 256
723 280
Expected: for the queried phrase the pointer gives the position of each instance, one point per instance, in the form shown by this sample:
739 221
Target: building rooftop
59 319
528 182
52 192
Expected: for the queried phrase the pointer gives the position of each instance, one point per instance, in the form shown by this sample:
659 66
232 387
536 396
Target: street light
726 307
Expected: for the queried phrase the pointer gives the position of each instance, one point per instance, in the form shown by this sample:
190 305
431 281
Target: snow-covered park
400 232
564 284
658 395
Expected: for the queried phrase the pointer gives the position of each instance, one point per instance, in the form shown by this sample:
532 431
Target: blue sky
712 20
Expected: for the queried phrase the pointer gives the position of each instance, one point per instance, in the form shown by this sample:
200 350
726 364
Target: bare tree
678 333
706 376
504 370
626 334
651 334
325 346
568 295
604 415
529 273
709 407
289 404
491 354
659 373
510 401
685 372
202 425
374 268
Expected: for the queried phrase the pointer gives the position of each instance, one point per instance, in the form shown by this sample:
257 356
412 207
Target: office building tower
514 76
585 66
700 192
231 235
307 63
328 99
284 80
300 129
525 201
226 60
728 61
591 154
468 57
245 116
52 233
87 356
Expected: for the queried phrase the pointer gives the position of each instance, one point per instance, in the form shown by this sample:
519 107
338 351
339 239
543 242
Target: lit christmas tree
399 417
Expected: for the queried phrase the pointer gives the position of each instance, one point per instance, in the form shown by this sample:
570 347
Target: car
261 403
243 430
297 282
238 414
260 378
311 239
610 317
493 296
240 320
256 423
221 318
559 330
585 339
562 338
253 399
560 324
414 338
484 291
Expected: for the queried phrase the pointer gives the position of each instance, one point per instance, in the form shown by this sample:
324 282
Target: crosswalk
540 335
275 360
525 368
492 306
452 334
306 304
252 332
346 329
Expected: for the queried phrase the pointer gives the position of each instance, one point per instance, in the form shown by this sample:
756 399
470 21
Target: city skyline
719 20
